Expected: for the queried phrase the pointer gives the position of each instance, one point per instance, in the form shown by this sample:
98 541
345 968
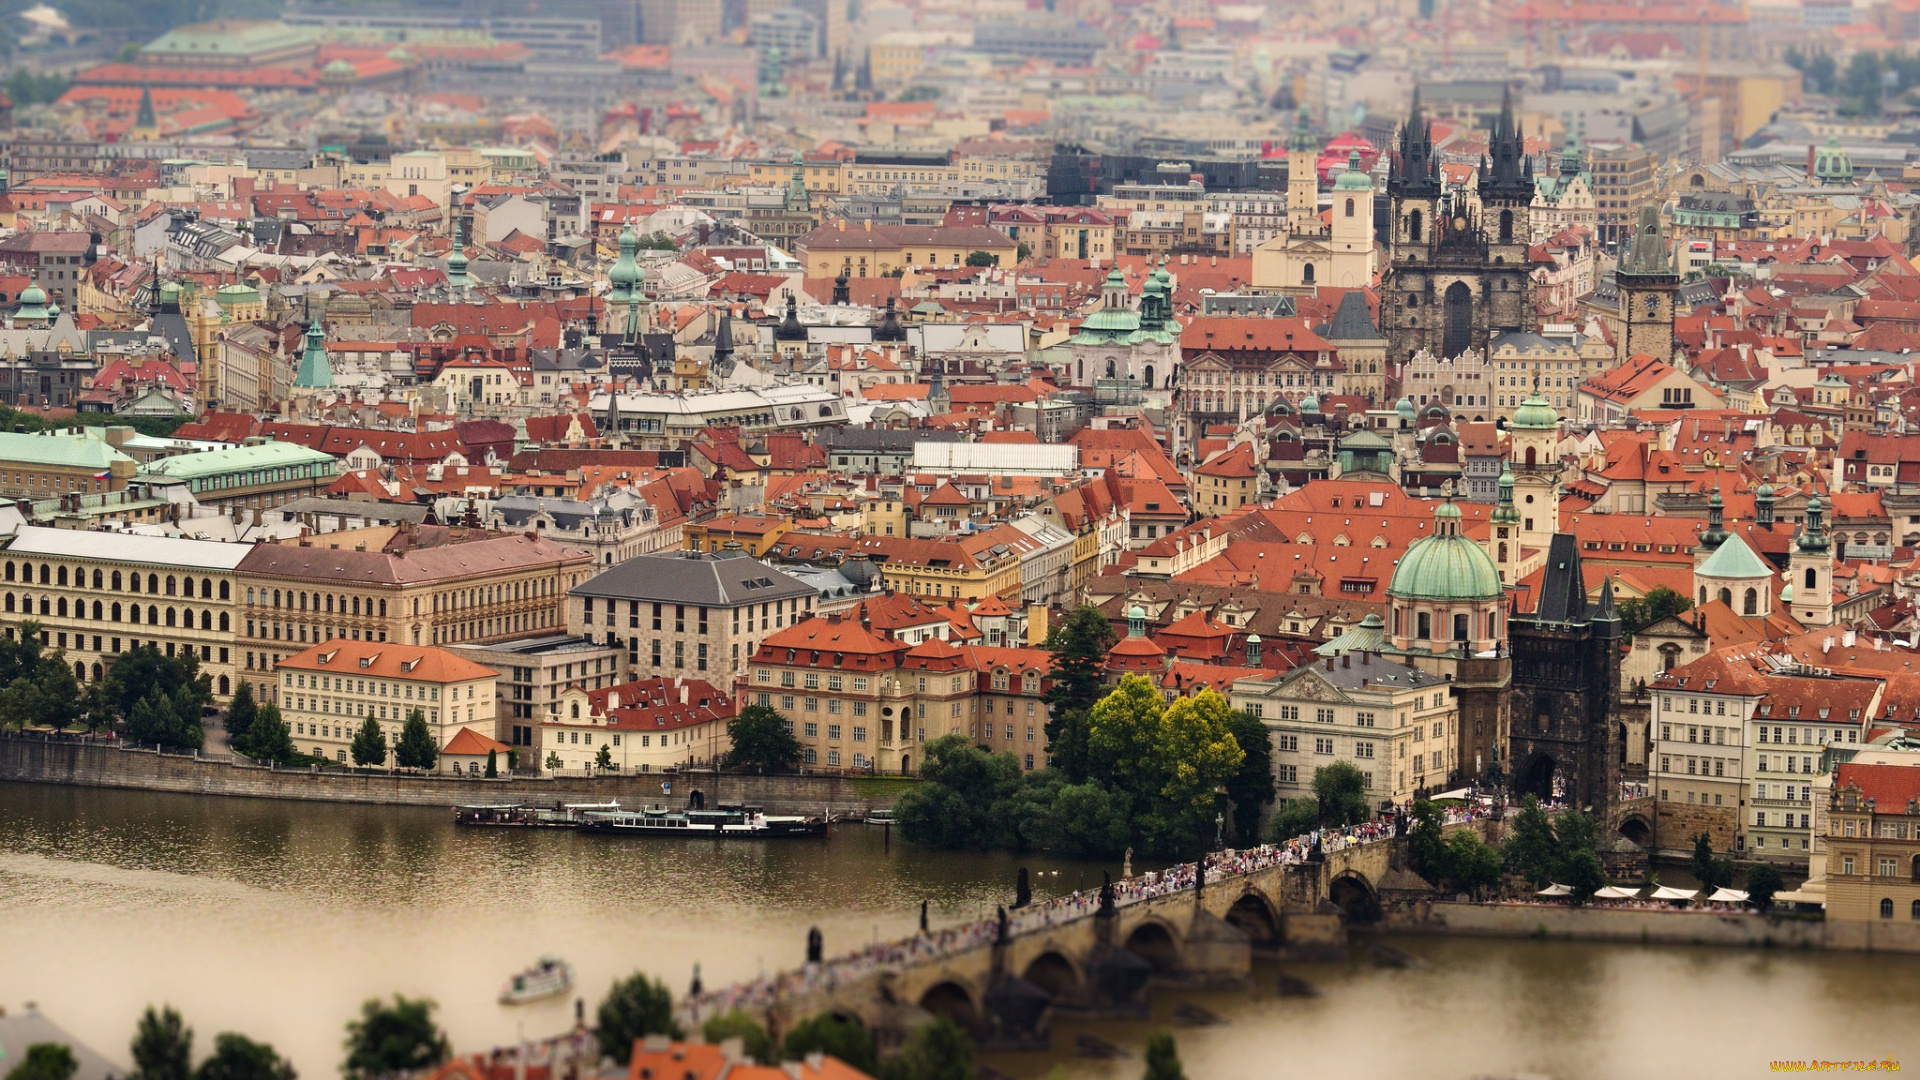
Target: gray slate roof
710 579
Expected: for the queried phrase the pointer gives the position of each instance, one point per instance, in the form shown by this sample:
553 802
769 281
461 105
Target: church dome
1353 179
339 69
1535 414
1446 565
1405 409
33 296
625 272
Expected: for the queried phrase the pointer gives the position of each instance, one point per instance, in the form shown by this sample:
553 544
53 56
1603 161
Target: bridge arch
953 1001
1255 915
1155 942
1055 973
1353 894
1636 828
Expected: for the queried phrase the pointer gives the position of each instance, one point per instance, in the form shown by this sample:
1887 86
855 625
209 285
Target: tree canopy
416 748
369 745
45 1061
762 741
1251 787
844 1037
162 1046
634 1008
388 1040
236 1057
1079 644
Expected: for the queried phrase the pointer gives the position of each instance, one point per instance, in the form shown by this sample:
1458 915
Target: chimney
613 700
1366 658
683 693
1329 663
1847 639
1346 660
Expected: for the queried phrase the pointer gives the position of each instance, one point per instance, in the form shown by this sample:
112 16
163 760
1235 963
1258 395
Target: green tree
1763 881
241 712
1640 612
1084 820
96 712
1079 645
416 748
1530 849
1427 842
1197 749
45 1061
21 655
1124 736
1581 871
982 258
141 672
762 741
1710 872
634 1008
369 746
155 719
604 759
1341 790
964 798
1575 834
658 241
1250 788
45 693
936 1050
1023 252
1472 863
754 1040
919 93
269 739
162 1046
389 1040
1163 1058
845 1037
554 764
1861 85
493 763
1294 818
236 1057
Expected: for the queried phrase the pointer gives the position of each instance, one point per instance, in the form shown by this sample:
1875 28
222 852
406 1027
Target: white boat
545 979
881 817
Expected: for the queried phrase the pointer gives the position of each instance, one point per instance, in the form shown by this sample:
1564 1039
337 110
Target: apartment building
647 726
690 613
327 692
418 585
99 594
255 477
1623 182
1395 723
56 463
535 672
1873 846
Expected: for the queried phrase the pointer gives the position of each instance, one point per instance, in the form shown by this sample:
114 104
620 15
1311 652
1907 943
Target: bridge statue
1022 892
814 945
1106 893
923 916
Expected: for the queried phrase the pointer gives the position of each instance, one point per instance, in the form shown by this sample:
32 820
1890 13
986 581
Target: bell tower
1811 570
1535 461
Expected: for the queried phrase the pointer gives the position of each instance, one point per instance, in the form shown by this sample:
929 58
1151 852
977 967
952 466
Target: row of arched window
116 581
103 611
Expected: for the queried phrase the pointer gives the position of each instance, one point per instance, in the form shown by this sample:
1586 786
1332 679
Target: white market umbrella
1724 895
1665 893
1555 890
1614 892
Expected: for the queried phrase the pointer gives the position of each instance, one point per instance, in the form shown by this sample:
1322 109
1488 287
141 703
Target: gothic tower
1563 733
1647 282
1457 271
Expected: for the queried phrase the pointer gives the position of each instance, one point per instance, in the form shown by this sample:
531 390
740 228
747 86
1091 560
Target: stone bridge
1083 961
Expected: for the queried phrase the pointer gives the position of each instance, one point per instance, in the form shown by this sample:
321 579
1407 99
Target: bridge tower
1564 734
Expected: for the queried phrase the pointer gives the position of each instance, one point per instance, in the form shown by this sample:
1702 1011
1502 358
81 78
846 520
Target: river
278 918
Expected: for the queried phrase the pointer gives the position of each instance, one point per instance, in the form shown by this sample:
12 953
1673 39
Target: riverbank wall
1649 926
82 764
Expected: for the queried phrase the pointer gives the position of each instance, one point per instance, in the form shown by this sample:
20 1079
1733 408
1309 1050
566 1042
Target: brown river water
278 918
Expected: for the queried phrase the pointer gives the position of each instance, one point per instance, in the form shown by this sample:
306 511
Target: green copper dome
33 303
1446 565
1405 408
1353 179
1535 414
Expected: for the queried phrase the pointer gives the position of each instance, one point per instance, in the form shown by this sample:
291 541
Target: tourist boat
520 815
726 821
881 817
545 979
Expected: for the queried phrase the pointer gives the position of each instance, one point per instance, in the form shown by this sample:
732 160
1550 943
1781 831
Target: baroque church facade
1457 275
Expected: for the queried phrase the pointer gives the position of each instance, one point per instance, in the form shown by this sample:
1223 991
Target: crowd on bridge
929 945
